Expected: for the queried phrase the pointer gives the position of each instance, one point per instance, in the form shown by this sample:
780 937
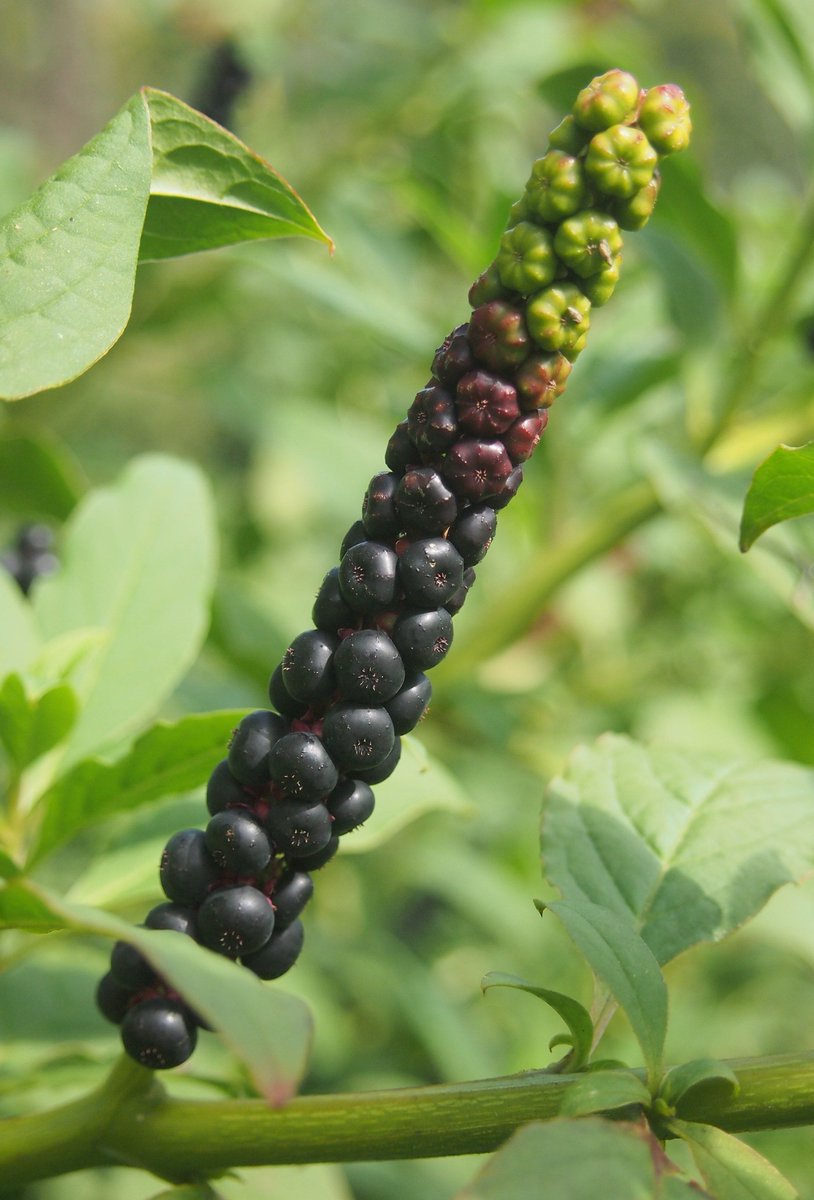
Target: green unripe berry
573 351
487 287
540 379
518 212
620 161
665 118
568 136
588 242
600 287
558 317
556 187
606 101
635 212
526 260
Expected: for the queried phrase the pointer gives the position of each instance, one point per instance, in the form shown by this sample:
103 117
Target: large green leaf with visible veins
68 258
210 190
683 847
160 180
269 1030
138 563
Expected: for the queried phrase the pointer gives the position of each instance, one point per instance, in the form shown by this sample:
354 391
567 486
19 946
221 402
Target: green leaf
29 728
419 786
68 258
268 1030
577 1018
8 867
730 1168
579 1160
138 562
210 190
685 848
705 1074
170 757
19 638
626 966
604 1091
781 488
37 475
189 1191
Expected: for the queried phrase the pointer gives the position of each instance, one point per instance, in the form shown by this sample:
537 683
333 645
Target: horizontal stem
131 1120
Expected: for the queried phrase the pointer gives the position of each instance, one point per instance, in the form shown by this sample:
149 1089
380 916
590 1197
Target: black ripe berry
355 534
350 804
235 920
250 745
280 698
430 571
486 404
297 827
367 577
476 469
409 705
331 611
472 533
453 358
308 666
379 515
279 954
423 637
313 862
223 790
113 998
431 420
158 1033
237 843
357 736
302 768
291 893
130 968
401 453
384 769
425 504
456 602
368 667
177 917
509 490
187 870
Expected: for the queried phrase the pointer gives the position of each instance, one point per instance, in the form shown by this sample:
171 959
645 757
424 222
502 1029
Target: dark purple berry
431 420
350 804
292 891
541 379
472 533
453 358
409 705
456 602
113 998
476 469
302 768
384 769
307 664
298 828
368 667
279 697
158 1033
130 968
509 490
486 404
313 862
250 746
177 917
279 954
355 534
425 504
498 335
423 637
430 570
237 843
379 515
223 790
367 577
235 920
356 736
187 868
521 438
331 611
401 453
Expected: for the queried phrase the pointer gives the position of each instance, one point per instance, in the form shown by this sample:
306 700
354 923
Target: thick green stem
131 1120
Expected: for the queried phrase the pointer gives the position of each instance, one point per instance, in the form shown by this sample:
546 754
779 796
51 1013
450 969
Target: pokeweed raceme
300 776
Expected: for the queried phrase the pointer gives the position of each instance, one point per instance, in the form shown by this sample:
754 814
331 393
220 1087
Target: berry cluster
298 778
31 555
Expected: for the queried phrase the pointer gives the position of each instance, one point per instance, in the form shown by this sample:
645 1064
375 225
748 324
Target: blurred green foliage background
409 128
